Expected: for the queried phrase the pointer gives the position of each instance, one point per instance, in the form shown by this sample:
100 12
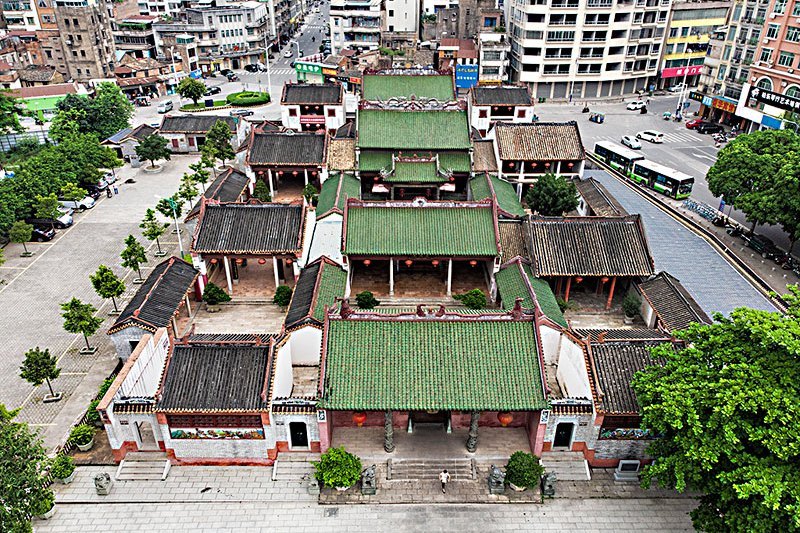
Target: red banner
674 72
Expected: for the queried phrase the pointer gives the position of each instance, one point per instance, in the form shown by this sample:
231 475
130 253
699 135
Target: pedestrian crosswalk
676 136
281 71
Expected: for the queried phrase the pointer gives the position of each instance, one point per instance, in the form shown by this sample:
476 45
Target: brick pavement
58 271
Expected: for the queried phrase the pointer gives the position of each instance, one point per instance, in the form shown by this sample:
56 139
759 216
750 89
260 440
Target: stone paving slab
651 515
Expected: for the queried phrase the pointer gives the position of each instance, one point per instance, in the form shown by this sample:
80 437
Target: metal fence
7 142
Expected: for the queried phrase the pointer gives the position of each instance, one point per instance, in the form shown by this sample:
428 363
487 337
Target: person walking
116 190
444 477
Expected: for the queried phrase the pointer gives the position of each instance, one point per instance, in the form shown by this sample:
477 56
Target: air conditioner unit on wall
773 15
790 70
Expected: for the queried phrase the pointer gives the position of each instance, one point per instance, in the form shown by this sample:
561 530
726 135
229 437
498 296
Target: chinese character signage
466 76
675 72
724 105
781 101
307 68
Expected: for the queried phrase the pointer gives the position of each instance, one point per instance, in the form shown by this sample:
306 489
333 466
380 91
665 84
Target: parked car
42 234
102 184
232 76
94 191
709 127
677 88
241 113
213 90
635 106
165 107
252 67
631 142
226 71
63 221
288 52
692 124
763 245
108 176
79 205
651 135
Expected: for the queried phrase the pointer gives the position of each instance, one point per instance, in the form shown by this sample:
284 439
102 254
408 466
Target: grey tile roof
483 157
501 96
158 298
228 187
143 130
117 137
512 239
194 123
541 141
215 378
599 200
589 246
301 149
619 334
312 93
237 338
672 303
37 73
616 363
266 229
303 295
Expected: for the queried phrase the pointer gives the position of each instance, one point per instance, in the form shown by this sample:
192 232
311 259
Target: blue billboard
466 76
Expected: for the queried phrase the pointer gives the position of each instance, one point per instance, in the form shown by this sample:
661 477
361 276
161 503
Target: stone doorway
298 435
147 437
430 419
563 436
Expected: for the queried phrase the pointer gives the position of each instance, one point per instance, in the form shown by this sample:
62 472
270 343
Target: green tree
208 154
727 410
10 111
79 318
552 195
746 171
70 191
107 284
152 229
192 89
21 233
310 193
187 190
66 124
39 367
200 175
166 208
2 258
153 148
102 116
133 255
24 488
787 184
47 207
261 191
219 136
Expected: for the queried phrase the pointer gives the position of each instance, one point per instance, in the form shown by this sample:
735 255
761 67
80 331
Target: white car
165 107
651 135
78 205
288 53
677 88
635 106
631 142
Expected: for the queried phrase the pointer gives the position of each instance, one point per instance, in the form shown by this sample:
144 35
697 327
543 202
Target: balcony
591 56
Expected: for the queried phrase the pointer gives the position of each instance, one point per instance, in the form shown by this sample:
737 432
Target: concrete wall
572 374
220 451
122 340
583 432
305 345
283 440
621 449
282 378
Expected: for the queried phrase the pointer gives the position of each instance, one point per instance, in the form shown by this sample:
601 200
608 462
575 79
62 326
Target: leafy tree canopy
153 148
728 412
133 255
102 116
219 136
39 366
107 284
10 111
552 195
47 206
20 232
79 317
192 89
70 191
261 191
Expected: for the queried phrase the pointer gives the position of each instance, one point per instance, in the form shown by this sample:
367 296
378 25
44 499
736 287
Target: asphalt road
683 149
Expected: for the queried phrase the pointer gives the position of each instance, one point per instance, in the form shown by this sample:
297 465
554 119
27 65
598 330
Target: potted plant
63 469
337 468
523 470
82 436
283 295
213 296
46 507
474 299
366 300
93 415
631 305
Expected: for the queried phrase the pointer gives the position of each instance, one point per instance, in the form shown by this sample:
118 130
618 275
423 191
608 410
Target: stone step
426 301
410 469
145 456
568 466
293 466
143 466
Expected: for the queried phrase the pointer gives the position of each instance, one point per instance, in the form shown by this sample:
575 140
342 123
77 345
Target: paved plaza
59 270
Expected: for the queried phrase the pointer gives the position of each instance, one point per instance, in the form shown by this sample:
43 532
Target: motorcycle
735 231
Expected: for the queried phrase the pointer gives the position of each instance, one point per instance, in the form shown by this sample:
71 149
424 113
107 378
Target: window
793 34
773 30
520 113
483 113
721 74
765 83
796 9
780 6
391 12
292 111
83 53
786 59
175 143
793 91
191 141
331 112
766 55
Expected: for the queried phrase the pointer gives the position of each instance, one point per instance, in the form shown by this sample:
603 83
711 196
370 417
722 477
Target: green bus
617 157
667 181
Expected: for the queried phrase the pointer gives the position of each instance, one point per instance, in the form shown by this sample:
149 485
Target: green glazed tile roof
413 130
431 364
405 172
505 192
420 231
511 284
373 160
382 87
335 192
331 285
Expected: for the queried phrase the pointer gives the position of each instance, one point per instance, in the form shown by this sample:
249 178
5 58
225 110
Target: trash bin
209 102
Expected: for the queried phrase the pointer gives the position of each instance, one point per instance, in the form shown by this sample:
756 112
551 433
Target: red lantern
375 179
547 165
435 263
214 261
294 173
535 165
239 260
367 262
280 173
578 279
570 165
313 172
604 279
408 262
452 179
359 417
260 172
511 164
289 261
473 263
505 418
262 261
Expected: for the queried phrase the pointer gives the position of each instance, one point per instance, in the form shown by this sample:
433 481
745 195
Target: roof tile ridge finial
441 311
516 312
345 311
421 310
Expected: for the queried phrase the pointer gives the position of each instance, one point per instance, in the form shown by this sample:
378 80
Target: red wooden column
611 292
569 284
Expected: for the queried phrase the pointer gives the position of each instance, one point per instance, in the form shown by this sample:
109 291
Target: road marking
704 156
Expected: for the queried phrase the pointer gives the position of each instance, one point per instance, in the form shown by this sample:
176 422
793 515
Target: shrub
337 468
365 300
310 193
81 435
565 305
474 299
104 387
62 467
283 295
213 295
44 504
92 415
248 98
523 470
631 304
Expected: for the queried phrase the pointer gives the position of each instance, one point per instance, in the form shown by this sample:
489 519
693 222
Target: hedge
248 98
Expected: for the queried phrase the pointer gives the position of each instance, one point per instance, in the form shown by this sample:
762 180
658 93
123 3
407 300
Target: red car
692 124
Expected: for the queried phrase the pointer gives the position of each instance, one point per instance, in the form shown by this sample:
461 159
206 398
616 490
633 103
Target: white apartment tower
355 24
585 49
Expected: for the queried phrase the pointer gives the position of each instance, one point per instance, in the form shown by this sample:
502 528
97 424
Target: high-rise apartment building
356 24
400 23
88 44
20 15
583 49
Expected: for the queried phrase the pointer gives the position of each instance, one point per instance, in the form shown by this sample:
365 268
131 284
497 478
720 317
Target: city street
683 149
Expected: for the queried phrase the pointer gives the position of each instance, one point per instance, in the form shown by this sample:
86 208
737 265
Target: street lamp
174 72
298 47
266 61
174 206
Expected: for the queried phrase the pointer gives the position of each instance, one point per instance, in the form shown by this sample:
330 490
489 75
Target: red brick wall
127 446
345 418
